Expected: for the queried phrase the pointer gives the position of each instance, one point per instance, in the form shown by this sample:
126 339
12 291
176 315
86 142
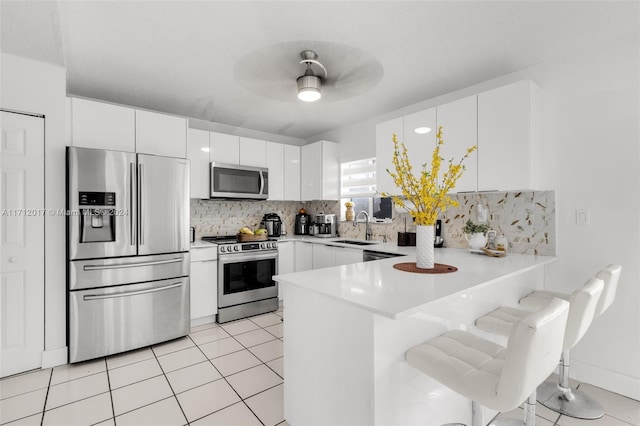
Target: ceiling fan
270 72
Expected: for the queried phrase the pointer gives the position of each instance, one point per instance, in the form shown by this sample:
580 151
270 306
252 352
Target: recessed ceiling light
205 149
422 130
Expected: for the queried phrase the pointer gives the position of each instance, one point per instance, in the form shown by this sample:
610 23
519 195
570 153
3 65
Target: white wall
591 157
39 88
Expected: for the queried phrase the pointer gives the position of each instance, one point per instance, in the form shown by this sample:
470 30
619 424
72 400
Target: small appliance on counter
272 223
325 225
438 241
302 223
408 239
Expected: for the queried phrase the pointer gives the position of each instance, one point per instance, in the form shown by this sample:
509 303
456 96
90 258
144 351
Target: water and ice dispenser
97 218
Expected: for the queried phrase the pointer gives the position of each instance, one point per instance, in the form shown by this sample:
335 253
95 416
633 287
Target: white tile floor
229 374
219 375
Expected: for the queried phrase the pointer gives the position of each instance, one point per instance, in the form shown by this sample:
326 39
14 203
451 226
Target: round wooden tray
438 268
248 237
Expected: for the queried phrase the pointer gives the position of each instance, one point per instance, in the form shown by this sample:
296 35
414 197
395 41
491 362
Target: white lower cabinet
304 256
347 256
204 284
286 260
323 256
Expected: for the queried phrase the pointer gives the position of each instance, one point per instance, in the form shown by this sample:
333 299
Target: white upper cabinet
198 154
320 171
224 148
311 182
509 137
253 152
291 173
161 134
459 121
102 126
384 154
419 144
275 164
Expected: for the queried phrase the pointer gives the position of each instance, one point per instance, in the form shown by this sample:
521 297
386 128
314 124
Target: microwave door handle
132 190
261 183
141 204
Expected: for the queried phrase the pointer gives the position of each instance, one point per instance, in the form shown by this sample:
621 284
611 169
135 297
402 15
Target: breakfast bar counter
347 328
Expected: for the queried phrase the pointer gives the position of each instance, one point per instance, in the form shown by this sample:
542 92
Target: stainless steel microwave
235 181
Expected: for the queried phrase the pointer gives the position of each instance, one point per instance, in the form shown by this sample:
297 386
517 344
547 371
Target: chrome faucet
367 232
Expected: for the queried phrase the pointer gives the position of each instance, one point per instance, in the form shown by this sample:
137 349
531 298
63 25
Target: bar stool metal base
581 406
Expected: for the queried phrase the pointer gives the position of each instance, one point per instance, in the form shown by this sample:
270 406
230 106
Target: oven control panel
247 247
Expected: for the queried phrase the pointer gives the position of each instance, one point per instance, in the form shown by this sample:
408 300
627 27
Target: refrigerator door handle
141 205
131 265
130 293
132 191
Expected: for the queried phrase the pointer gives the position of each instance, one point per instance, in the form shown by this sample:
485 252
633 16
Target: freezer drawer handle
131 265
129 293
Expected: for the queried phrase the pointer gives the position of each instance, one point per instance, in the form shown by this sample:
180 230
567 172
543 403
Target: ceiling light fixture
422 130
309 84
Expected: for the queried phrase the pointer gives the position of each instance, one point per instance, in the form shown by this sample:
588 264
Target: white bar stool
560 397
583 303
492 375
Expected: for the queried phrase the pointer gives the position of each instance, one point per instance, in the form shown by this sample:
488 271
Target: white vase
477 240
425 256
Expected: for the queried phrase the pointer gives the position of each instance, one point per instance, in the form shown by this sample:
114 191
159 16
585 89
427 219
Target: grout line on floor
229 384
113 410
44 405
169 383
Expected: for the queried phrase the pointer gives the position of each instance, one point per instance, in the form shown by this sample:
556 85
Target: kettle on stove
272 223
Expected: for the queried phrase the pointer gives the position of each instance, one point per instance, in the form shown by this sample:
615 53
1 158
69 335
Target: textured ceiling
235 62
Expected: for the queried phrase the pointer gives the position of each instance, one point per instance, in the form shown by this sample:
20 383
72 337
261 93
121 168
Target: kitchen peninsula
347 329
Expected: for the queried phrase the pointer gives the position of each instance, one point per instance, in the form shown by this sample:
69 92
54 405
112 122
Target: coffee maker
326 225
302 223
272 223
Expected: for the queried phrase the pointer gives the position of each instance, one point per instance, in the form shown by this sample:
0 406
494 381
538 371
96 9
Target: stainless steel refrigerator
127 251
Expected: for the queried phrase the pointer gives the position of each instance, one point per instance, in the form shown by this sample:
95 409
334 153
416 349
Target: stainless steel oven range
245 277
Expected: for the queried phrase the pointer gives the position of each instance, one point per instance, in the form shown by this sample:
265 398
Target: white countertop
378 287
202 244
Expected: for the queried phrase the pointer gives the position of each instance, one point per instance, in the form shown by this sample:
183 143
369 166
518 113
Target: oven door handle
130 293
244 257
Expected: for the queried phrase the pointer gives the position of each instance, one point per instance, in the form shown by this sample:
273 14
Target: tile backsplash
226 217
526 218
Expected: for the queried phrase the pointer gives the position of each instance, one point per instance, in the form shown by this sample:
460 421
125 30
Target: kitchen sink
356 242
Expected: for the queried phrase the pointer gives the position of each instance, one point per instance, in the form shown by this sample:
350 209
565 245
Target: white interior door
22 243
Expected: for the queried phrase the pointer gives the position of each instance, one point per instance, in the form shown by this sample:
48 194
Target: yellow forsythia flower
428 192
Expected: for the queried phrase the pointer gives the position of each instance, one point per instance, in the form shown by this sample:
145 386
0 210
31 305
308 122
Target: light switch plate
582 217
